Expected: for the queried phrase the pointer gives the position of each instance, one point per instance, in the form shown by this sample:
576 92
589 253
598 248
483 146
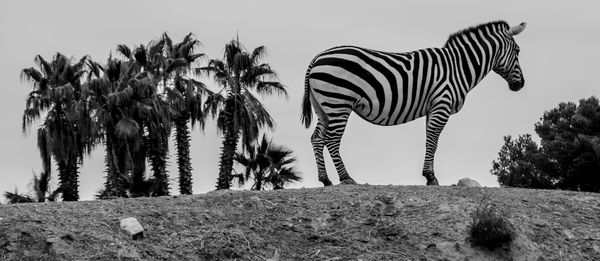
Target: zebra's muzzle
515 86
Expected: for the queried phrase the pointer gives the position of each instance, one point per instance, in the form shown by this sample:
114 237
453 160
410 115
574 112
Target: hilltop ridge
350 222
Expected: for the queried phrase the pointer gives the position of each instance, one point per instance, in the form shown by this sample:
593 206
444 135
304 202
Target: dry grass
359 222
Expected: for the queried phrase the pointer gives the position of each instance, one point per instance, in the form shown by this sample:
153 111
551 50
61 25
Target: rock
568 234
596 248
252 203
132 227
467 182
257 202
52 240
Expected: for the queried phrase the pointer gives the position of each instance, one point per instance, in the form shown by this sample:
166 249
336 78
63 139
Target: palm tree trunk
138 148
258 181
182 142
158 160
116 185
230 140
67 176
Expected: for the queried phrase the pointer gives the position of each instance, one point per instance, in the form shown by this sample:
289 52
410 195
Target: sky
559 57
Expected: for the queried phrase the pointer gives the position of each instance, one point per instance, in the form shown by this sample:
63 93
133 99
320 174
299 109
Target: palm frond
289 175
214 67
156 47
168 43
61 93
232 49
258 54
126 128
124 50
45 67
195 57
256 111
175 64
119 98
95 69
41 185
213 105
269 88
32 75
280 154
14 198
139 55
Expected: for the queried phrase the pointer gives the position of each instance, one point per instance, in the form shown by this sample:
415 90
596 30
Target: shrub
568 156
490 228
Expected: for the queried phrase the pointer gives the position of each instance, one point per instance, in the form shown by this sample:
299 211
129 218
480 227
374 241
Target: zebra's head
507 64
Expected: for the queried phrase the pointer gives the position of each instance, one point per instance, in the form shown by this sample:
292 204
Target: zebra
390 89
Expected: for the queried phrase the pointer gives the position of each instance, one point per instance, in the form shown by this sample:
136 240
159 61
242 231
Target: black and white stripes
394 88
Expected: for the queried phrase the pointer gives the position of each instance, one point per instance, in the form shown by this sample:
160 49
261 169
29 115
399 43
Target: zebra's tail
306 106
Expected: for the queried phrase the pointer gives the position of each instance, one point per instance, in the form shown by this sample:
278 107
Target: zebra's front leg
436 121
318 142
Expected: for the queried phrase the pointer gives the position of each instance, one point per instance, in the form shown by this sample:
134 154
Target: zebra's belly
361 108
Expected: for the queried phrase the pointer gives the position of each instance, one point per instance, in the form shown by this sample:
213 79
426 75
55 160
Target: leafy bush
568 156
490 228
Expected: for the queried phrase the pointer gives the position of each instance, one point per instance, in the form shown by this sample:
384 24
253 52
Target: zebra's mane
476 28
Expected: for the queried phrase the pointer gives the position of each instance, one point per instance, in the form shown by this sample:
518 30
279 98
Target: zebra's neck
471 58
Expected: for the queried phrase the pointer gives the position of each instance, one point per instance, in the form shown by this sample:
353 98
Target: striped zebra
394 88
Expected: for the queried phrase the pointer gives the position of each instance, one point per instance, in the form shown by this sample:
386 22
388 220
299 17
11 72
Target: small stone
467 182
596 248
132 227
257 202
568 234
51 240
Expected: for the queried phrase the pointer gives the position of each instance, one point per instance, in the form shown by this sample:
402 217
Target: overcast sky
560 50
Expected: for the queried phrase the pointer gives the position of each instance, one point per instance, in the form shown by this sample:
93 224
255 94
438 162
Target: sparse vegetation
358 222
490 227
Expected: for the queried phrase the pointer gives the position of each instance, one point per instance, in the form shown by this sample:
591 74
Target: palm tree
109 96
67 126
242 115
185 97
267 164
127 107
154 117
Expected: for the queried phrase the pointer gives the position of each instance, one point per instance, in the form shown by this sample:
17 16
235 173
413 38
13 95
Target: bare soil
349 222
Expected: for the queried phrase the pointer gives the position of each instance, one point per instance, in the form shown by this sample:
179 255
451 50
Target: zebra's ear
517 29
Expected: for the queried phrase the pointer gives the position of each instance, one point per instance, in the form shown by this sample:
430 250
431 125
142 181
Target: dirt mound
350 222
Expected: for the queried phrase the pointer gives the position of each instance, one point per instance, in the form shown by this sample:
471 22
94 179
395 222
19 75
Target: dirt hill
359 222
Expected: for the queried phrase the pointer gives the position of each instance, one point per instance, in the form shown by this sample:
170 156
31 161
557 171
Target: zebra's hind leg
335 130
436 121
318 142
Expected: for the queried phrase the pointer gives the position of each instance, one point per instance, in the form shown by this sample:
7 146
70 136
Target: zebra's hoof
432 182
326 183
347 182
